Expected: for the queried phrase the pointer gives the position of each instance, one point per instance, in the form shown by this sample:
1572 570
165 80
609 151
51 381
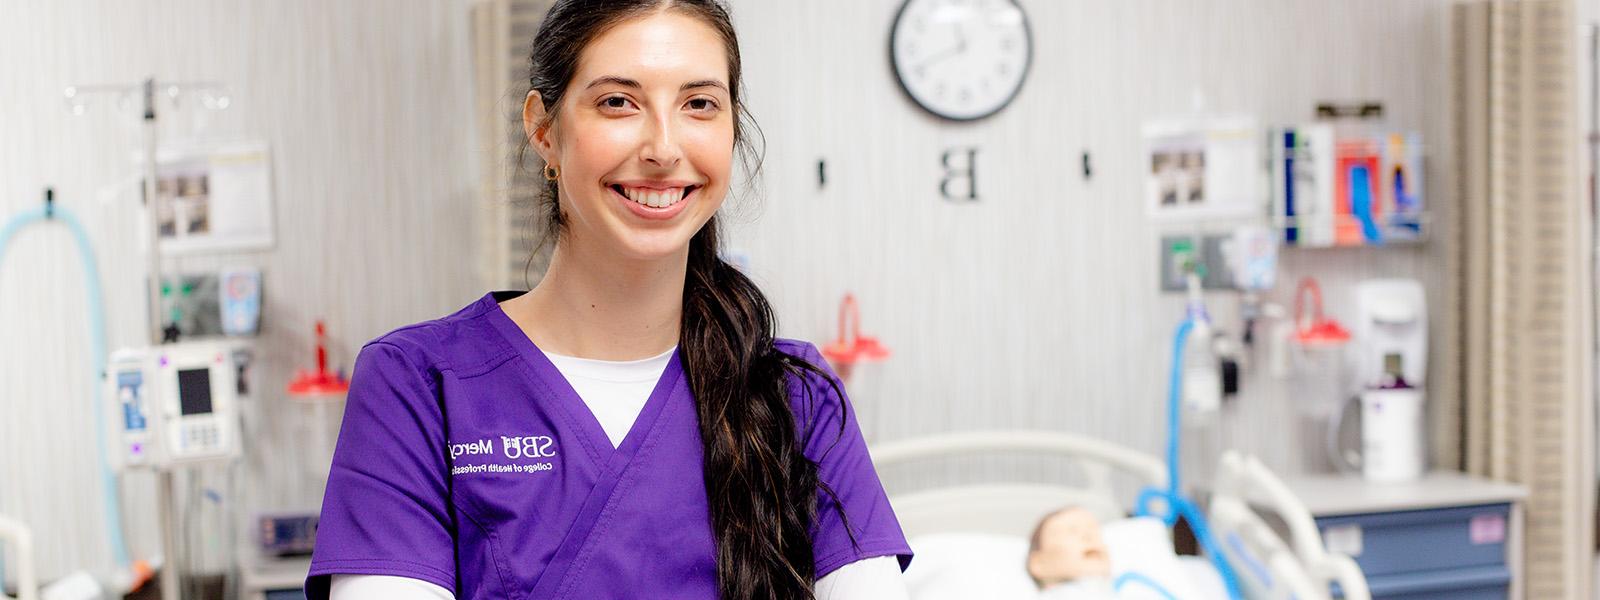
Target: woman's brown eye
701 104
616 102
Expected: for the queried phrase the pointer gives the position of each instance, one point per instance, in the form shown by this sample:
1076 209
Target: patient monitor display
194 391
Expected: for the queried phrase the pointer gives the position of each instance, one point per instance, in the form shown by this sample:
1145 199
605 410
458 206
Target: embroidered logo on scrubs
536 446
514 448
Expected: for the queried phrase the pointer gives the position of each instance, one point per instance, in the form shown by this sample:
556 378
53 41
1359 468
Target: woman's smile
654 200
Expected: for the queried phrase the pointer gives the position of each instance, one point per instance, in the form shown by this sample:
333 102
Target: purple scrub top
466 460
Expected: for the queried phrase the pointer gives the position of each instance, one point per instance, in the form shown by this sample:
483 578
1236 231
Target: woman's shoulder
815 392
797 348
807 352
461 340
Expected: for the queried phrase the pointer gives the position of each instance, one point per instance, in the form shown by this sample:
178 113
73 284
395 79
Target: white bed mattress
981 566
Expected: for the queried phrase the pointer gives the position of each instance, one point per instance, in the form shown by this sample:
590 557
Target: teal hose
97 354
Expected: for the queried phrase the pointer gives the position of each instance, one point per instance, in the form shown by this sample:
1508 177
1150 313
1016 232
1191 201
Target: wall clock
961 60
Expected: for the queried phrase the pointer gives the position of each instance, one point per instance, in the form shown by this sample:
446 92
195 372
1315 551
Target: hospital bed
993 520
16 542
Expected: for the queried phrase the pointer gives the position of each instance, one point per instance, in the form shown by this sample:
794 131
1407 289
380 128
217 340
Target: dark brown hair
761 486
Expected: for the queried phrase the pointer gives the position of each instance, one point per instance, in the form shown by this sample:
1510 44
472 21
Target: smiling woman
680 450
645 133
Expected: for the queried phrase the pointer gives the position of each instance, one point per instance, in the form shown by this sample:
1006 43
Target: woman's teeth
654 198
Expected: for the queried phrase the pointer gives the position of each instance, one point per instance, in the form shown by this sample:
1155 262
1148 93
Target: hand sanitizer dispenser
1392 346
1391 331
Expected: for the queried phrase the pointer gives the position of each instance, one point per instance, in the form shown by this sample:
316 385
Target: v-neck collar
567 399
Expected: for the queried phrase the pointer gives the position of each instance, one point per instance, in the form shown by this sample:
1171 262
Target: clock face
961 59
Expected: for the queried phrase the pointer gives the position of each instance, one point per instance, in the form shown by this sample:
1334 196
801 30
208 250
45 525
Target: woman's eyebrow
629 83
622 81
703 83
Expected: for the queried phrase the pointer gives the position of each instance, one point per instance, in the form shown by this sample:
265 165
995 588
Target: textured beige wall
1037 307
368 111
1034 308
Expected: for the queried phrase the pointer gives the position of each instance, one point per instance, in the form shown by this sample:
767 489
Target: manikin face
1068 547
643 137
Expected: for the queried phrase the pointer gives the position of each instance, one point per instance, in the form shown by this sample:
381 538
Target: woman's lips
654 196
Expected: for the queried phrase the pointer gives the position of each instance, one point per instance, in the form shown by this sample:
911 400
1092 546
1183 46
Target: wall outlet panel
1207 249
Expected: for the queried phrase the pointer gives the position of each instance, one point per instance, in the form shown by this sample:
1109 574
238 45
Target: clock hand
959 48
939 57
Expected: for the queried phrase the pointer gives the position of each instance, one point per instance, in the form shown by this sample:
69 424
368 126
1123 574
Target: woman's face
643 137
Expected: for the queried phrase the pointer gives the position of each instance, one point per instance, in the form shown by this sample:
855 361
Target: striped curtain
1528 296
502 31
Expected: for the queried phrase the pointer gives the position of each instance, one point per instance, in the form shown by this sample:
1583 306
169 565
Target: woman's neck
599 306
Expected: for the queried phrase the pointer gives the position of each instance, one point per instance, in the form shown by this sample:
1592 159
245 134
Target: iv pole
166 501
166 505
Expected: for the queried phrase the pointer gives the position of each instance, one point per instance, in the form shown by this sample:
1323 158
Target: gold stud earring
552 173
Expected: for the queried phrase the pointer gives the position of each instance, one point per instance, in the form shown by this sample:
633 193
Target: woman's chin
654 245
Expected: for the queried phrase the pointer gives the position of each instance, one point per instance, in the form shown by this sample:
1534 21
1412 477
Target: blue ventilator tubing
97 354
1177 504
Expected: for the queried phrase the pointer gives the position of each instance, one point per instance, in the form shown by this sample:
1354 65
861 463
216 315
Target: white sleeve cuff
876 578
365 587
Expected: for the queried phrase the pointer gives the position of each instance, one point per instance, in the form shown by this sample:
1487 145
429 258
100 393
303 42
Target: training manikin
1067 547
1069 559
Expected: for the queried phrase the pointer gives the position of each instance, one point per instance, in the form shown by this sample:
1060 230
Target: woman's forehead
665 48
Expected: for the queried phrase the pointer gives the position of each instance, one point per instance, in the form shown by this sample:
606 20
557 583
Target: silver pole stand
171 579
78 96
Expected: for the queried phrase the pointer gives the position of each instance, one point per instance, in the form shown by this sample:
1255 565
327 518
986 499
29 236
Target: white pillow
969 566
983 566
1095 589
1205 577
1143 545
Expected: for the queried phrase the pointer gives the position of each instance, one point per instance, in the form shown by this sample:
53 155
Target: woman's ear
535 125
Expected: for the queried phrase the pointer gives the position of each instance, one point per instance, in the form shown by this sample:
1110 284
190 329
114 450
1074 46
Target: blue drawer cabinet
1423 540
1457 553
1444 536
1479 583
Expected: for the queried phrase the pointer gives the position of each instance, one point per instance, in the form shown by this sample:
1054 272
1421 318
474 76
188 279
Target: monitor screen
194 391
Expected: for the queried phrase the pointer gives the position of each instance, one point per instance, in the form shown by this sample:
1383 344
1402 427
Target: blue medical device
287 534
240 299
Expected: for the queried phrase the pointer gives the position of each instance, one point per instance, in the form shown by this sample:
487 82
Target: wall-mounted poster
212 197
1200 169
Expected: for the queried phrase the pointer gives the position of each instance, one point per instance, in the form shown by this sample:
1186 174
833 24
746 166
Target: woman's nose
661 146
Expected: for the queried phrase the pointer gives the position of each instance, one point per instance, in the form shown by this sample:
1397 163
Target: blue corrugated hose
97 353
1176 503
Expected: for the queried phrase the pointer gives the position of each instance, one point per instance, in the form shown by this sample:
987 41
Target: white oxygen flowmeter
174 404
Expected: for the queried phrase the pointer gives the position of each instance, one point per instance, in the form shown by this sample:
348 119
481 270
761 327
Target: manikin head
1067 546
